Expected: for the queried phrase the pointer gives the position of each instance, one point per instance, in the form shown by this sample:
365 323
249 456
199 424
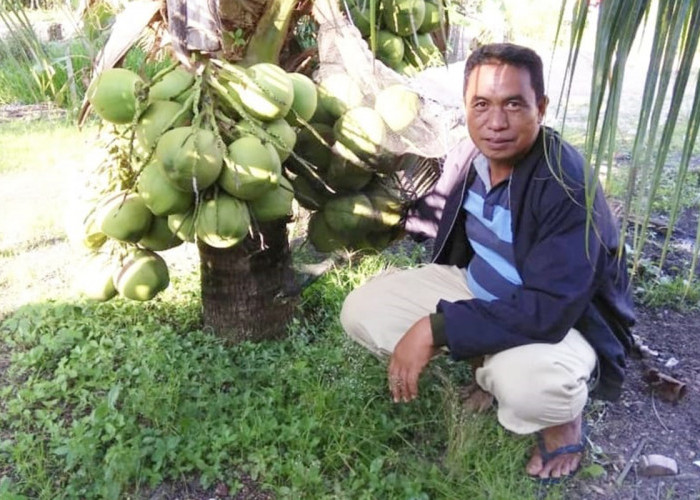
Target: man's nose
498 119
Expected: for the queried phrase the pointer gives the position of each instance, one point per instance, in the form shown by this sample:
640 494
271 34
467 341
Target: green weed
16 81
59 74
109 400
664 291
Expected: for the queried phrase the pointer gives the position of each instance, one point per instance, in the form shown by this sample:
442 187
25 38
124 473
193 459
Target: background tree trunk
249 291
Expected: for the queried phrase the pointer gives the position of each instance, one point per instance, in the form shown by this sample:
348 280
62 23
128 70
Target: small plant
237 37
664 291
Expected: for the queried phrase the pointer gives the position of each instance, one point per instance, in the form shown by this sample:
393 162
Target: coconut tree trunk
249 291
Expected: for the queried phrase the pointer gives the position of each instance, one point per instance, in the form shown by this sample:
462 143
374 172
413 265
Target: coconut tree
248 290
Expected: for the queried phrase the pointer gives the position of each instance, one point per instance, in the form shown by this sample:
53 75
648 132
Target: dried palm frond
418 175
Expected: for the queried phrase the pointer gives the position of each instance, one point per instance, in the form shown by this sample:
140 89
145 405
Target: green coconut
274 204
83 226
398 106
159 236
191 158
431 20
403 17
362 130
267 93
182 225
305 98
142 276
113 95
360 14
346 171
308 196
310 147
94 277
388 212
421 52
322 237
182 98
252 168
158 192
389 48
322 115
172 85
124 216
350 214
374 240
405 68
338 93
285 137
222 221
158 117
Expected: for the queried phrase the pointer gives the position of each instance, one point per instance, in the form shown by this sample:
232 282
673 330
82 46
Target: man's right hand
410 356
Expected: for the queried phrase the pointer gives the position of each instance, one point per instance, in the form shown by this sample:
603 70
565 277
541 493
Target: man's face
503 115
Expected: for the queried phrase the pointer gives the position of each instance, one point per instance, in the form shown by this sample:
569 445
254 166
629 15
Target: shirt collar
481 165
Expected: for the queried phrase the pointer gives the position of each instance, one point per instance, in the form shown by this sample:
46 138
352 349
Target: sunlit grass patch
32 145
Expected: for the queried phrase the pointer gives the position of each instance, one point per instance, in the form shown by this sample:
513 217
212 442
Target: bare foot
475 399
561 465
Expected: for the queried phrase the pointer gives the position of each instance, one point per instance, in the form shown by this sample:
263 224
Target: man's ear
542 108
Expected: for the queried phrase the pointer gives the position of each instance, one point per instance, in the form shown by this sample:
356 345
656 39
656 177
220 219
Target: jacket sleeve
558 273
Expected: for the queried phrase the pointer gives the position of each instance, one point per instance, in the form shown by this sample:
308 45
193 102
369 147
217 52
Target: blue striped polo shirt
491 273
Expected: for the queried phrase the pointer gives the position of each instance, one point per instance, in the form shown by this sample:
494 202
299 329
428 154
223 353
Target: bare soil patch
45 111
643 422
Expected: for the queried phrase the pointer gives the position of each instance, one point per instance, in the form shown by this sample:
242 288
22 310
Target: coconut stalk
249 291
270 33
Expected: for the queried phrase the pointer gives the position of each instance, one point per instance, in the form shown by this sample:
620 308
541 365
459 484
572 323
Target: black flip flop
547 456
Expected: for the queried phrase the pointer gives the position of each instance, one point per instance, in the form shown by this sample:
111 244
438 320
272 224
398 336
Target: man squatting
519 284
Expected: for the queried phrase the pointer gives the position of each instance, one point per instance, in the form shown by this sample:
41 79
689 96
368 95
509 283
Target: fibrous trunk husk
249 291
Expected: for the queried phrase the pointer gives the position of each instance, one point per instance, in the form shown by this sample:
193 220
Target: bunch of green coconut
211 155
187 178
402 31
353 190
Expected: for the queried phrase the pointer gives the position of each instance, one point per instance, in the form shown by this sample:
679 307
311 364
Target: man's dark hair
511 54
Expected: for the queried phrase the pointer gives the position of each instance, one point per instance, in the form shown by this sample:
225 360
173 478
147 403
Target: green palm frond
688 31
673 49
14 17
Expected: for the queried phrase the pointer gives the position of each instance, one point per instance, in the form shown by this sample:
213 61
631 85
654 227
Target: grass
42 168
109 400
61 73
28 145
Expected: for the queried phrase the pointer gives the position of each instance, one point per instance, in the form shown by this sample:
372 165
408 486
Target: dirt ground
652 418
642 422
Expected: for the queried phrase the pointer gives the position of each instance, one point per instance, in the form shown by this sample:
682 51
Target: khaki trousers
536 385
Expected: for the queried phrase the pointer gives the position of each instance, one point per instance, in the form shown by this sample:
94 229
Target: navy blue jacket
573 273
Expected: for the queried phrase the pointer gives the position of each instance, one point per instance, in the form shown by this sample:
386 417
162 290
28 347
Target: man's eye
479 105
513 105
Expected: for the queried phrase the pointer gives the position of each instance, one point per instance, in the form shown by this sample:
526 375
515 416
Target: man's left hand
410 356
